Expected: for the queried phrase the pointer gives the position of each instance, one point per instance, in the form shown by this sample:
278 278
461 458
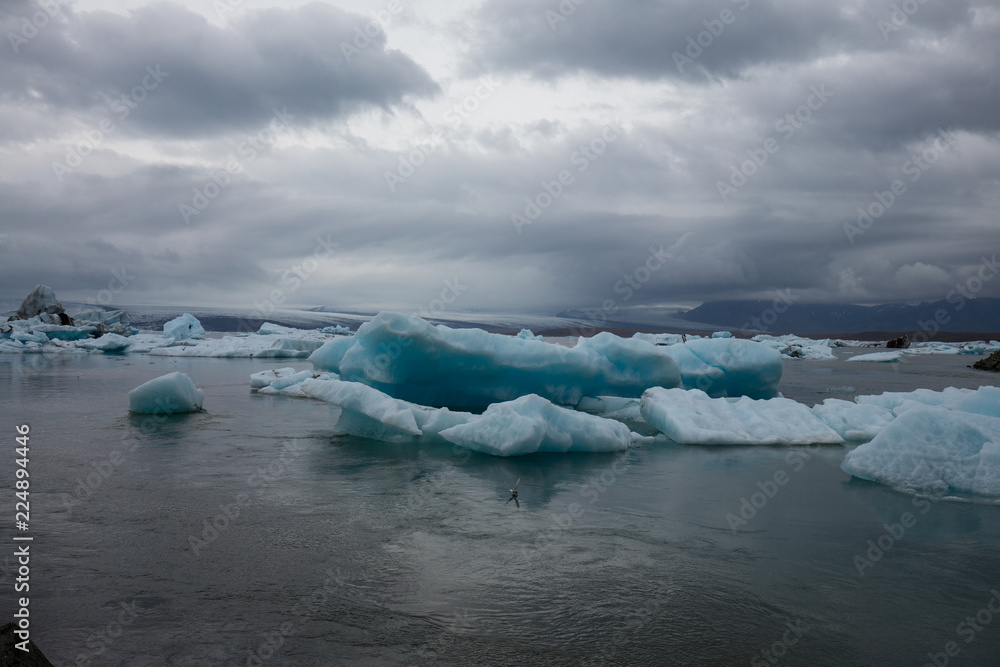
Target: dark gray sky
525 155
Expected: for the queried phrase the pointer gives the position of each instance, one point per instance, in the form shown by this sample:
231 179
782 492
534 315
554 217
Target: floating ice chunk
692 417
108 343
879 357
408 358
663 338
337 330
532 424
105 321
270 328
291 347
329 355
722 334
183 327
895 400
167 394
526 334
985 401
24 336
612 407
728 367
265 378
285 381
854 422
933 449
369 413
799 351
796 347
64 331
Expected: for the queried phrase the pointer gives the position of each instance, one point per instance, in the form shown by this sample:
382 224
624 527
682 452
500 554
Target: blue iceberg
728 367
183 327
410 359
167 394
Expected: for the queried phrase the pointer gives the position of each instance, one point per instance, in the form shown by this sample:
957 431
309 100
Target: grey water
253 534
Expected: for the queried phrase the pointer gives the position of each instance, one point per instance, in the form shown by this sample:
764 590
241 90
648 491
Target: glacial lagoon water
250 534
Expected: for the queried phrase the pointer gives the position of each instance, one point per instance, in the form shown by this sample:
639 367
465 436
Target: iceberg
854 422
410 359
796 347
985 401
526 425
266 378
664 338
183 327
291 347
692 417
728 367
108 343
105 321
933 450
369 413
41 301
879 357
167 394
532 424
900 401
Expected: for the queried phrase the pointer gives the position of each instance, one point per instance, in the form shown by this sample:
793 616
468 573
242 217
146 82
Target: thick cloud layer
541 155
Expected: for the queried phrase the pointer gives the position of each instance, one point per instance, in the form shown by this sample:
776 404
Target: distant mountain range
972 316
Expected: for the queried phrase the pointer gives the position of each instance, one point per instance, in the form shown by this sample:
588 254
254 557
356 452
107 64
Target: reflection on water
251 533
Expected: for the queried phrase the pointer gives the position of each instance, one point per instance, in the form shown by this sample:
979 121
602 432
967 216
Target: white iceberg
289 385
291 347
263 379
853 421
527 425
108 343
369 413
692 417
933 450
984 401
167 394
900 401
663 339
532 424
184 327
796 347
879 357
413 360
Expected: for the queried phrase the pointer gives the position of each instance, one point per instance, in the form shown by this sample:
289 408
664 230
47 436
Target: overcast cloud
536 152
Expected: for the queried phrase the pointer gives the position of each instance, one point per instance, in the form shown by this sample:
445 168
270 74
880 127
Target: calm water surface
251 534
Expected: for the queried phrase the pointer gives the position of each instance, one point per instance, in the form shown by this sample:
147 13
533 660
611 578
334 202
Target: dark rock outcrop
15 657
990 363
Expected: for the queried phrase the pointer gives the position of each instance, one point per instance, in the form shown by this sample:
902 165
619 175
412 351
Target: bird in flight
513 493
